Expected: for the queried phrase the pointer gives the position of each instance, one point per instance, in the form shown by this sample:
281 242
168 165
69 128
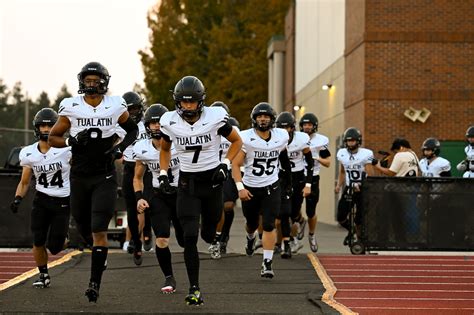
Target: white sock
268 254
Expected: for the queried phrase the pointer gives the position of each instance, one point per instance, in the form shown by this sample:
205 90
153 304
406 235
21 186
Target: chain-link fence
418 214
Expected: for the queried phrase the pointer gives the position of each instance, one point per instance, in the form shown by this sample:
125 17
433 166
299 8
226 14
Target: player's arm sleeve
324 153
308 157
225 130
132 132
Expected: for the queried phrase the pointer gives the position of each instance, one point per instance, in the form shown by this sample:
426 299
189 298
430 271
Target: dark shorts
230 190
162 213
313 199
199 203
266 201
49 219
298 182
93 201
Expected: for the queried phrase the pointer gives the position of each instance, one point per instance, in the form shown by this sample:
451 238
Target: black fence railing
418 214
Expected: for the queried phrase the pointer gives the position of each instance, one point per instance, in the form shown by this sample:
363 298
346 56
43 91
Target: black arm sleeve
308 157
225 130
132 133
445 174
285 165
324 153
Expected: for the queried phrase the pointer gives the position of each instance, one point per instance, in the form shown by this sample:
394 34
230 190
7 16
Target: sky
45 43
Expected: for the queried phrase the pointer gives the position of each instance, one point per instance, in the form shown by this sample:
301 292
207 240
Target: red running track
379 285
19 265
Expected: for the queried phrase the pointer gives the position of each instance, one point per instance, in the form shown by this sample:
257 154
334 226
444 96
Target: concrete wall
319 50
319 38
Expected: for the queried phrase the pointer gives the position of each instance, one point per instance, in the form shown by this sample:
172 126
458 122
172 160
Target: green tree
224 43
63 93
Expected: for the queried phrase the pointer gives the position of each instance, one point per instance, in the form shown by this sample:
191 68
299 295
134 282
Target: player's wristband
308 185
139 195
163 172
66 142
240 186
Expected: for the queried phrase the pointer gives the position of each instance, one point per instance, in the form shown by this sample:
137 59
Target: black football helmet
191 89
309 118
153 114
45 116
285 120
431 144
221 104
470 136
352 133
135 105
263 109
234 122
96 69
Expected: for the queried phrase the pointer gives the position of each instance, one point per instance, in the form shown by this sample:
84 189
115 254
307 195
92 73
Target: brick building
396 69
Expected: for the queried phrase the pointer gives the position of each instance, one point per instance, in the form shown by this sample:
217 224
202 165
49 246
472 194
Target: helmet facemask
153 133
135 112
264 125
189 113
42 135
100 86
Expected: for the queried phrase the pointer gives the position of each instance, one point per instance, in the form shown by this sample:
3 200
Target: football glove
16 204
165 186
81 138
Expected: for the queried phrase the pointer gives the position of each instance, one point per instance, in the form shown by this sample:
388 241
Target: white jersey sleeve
225 145
145 152
197 144
261 163
51 169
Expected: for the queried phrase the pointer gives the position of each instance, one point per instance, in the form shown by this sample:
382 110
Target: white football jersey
261 163
145 152
142 134
51 169
354 163
436 167
470 157
295 149
100 120
317 143
197 144
225 145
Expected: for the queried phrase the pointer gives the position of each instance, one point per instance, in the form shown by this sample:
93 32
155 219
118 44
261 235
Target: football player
432 165
50 211
162 205
355 164
263 150
196 130
467 165
92 121
300 157
319 145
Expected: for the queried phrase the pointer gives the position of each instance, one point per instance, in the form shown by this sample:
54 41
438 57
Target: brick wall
416 53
